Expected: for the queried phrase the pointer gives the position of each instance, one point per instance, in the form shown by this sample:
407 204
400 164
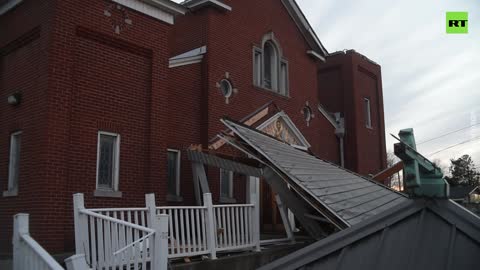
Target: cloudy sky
431 80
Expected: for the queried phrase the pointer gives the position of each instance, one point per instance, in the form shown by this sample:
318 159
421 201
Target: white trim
196 4
303 24
191 57
277 61
155 9
257 67
12 189
9 5
284 80
316 55
179 162
230 183
116 161
305 144
470 193
330 119
168 6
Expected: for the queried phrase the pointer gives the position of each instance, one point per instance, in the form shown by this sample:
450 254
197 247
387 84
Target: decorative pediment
281 127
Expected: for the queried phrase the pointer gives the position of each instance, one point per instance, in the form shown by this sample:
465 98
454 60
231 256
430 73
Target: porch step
242 261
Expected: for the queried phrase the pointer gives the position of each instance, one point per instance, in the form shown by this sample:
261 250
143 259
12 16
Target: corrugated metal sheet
350 197
418 234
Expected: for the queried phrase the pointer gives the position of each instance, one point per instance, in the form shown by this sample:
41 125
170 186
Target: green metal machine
421 177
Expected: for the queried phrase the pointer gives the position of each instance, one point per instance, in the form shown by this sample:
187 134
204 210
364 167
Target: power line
449 133
455 145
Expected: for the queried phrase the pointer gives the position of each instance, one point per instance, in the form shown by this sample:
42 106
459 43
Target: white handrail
179 207
26 251
233 205
117 209
119 221
133 243
41 252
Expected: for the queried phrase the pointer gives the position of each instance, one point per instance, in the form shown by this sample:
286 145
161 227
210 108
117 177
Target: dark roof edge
352 51
448 210
299 17
348 236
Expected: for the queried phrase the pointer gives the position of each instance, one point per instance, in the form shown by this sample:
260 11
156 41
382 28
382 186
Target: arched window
270 69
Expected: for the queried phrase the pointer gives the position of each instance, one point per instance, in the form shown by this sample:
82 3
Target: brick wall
79 76
345 80
24 43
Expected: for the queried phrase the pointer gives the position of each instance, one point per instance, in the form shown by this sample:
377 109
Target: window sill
10 193
107 193
227 200
174 198
271 91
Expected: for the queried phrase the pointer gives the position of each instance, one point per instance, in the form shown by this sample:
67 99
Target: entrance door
270 219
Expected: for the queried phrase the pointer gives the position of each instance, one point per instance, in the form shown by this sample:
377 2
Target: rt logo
457 22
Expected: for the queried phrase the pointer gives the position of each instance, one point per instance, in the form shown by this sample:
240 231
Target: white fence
111 242
28 254
235 226
192 231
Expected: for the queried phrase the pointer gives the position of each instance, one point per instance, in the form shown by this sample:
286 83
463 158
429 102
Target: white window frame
230 190
257 66
283 82
279 82
368 112
12 189
177 181
116 163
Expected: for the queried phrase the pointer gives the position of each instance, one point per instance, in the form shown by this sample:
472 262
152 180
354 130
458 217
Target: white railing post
76 262
151 208
81 224
159 253
256 221
20 227
211 233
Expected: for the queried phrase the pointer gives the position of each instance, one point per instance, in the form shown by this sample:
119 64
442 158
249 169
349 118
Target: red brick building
101 97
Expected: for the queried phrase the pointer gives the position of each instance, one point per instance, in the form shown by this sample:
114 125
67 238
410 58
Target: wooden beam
292 202
385 174
250 121
224 162
200 176
284 215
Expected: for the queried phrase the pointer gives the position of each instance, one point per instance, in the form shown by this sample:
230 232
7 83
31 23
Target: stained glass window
107 161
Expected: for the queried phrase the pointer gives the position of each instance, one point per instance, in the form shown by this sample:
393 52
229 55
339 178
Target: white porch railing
28 254
113 243
234 226
192 230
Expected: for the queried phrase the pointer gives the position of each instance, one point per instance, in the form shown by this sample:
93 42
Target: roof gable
417 234
282 127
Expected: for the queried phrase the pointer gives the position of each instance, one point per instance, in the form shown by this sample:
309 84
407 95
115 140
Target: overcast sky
431 80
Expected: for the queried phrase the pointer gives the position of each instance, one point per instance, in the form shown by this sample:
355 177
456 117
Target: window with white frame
108 160
226 184
173 172
14 161
270 69
367 113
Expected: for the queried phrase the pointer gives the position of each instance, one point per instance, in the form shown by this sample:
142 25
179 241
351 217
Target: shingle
347 195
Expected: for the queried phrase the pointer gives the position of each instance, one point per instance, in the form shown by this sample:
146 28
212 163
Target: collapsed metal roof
417 234
347 197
